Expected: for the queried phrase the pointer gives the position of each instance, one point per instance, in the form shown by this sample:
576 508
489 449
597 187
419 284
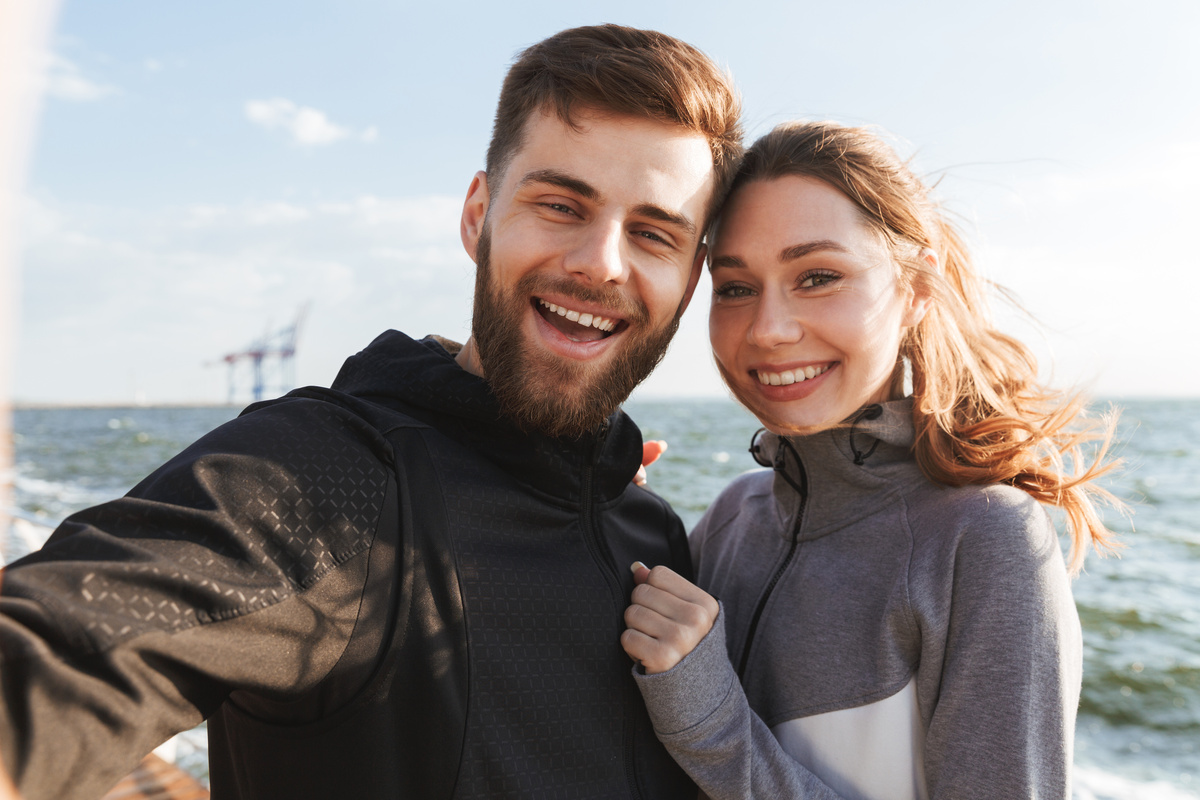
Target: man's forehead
606 152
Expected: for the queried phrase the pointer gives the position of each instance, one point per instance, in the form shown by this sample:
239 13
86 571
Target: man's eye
652 236
559 207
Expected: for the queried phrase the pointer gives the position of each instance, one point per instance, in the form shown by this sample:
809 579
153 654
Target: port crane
270 359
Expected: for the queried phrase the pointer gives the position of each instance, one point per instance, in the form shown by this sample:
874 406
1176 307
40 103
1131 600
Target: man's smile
578 326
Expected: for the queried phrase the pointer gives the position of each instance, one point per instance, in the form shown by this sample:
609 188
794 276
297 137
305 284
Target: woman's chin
785 418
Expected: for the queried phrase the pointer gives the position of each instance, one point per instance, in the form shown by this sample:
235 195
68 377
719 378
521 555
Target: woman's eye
733 291
816 280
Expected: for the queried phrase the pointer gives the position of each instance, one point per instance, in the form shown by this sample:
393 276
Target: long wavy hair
980 413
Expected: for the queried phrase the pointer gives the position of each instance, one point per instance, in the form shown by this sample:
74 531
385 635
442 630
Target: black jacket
376 590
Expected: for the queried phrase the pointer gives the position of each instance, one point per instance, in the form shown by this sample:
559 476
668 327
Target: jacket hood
845 473
422 379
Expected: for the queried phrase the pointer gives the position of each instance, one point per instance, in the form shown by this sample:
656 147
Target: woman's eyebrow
795 251
727 262
789 253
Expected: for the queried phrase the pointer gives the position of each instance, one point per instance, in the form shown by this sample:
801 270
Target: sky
201 172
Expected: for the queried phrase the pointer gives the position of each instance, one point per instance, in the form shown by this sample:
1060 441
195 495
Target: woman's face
807 313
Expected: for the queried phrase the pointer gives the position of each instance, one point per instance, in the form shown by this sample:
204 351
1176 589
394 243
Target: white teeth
788 377
585 319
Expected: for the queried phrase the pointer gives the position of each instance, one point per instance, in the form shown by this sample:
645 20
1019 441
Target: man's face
586 255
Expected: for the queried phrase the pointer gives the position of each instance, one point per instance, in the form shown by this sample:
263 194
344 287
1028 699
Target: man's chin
556 397
551 393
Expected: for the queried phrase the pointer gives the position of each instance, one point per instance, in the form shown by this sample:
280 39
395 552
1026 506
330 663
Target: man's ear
694 278
474 213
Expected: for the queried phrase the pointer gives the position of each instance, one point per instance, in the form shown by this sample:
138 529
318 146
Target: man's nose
775 322
599 255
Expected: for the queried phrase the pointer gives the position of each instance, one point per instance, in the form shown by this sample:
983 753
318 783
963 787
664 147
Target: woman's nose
775 323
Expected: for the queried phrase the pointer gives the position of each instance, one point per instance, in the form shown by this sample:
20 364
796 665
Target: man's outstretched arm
239 565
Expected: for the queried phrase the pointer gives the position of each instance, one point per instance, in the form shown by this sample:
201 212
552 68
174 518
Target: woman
895 618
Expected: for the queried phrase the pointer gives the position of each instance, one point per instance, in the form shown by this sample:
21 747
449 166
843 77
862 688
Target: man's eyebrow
790 253
562 180
669 217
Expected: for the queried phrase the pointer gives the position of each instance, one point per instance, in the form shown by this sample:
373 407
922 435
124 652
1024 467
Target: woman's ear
919 297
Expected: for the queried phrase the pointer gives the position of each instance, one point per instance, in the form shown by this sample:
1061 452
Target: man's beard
548 394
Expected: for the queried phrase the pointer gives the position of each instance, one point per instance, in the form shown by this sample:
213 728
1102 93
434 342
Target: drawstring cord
871 412
874 411
779 464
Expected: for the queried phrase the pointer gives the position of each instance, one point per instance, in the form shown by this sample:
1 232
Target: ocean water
1138 733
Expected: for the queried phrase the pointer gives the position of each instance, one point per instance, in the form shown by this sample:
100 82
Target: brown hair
981 415
625 71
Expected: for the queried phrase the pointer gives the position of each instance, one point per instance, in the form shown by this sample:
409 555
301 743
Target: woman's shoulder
994 533
752 484
744 492
991 552
997 518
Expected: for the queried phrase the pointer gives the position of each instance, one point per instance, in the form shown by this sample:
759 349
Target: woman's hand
668 617
651 450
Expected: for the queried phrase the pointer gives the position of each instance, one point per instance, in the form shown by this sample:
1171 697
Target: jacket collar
843 474
422 380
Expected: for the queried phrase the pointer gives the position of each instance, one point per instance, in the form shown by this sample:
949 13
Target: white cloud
276 214
306 126
128 301
65 81
1103 256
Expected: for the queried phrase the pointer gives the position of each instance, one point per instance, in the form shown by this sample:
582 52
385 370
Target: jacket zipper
587 512
762 602
604 558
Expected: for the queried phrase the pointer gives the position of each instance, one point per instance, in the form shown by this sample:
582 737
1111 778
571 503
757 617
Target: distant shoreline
635 400
21 406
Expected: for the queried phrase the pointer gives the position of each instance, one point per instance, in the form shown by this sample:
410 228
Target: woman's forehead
782 215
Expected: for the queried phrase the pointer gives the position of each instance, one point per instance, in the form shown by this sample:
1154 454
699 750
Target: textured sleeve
1010 659
703 718
238 565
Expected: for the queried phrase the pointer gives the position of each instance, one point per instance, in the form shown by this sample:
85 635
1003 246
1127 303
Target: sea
1138 730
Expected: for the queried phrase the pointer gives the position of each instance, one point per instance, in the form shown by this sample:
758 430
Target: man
412 584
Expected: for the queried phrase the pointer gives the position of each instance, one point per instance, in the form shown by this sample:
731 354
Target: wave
1093 783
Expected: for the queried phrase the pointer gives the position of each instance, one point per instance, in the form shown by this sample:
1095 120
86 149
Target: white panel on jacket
872 752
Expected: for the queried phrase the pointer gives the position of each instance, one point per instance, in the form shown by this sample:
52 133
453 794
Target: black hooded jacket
378 590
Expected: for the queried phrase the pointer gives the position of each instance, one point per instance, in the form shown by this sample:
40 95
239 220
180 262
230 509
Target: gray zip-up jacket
893 638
